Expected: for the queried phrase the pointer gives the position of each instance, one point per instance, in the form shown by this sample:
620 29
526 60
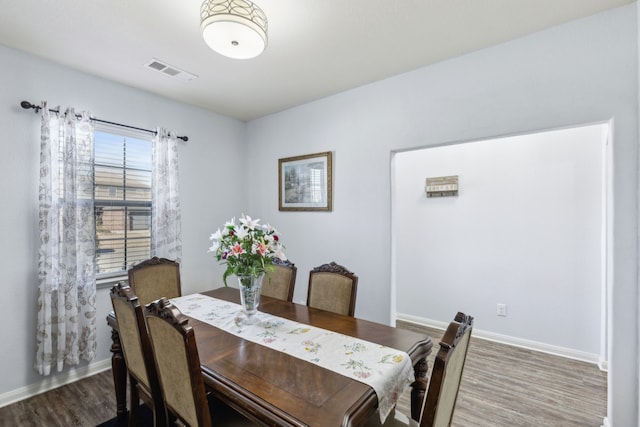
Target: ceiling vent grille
169 70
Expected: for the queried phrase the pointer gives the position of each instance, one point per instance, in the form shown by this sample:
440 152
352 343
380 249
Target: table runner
388 371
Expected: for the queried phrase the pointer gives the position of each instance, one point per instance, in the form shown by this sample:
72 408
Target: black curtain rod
27 105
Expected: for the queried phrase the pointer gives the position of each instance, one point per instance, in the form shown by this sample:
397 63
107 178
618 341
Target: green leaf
226 274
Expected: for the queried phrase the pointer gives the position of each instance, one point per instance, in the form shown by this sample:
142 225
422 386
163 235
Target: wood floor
506 386
501 386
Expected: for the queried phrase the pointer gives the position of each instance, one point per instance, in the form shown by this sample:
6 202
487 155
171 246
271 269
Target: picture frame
305 182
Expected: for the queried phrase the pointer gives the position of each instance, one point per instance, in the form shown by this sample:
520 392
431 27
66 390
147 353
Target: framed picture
304 183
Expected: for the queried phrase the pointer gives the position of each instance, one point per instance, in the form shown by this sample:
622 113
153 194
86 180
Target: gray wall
525 230
581 72
215 146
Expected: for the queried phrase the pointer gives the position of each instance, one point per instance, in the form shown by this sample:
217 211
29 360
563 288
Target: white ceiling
316 47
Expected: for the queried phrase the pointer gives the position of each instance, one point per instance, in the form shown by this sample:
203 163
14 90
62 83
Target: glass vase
250 287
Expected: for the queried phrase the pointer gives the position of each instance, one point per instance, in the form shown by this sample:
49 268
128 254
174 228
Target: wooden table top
281 390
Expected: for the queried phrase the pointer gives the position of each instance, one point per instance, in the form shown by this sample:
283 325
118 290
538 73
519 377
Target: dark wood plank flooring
501 386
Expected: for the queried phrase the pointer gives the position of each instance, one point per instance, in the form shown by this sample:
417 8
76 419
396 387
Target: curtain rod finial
27 105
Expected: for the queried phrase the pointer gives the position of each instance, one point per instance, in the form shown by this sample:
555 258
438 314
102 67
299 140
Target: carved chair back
281 281
178 363
440 399
136 347
332 288
155 278
446 374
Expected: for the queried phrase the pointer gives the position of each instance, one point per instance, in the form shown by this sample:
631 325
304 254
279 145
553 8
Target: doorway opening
523 246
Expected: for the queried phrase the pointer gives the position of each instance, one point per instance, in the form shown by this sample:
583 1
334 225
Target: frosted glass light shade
234 28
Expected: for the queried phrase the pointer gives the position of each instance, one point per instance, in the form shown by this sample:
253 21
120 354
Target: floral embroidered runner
386 370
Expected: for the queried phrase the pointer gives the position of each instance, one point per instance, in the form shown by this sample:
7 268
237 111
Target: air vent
169 70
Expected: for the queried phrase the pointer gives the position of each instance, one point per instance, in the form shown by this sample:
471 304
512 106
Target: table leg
119 371
419 388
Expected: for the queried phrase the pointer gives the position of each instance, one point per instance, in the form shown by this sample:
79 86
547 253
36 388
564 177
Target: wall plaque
442 186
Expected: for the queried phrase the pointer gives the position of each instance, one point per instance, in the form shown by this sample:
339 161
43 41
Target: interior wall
525 230
581 72
211 138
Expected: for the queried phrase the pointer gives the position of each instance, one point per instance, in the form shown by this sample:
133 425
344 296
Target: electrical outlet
502 310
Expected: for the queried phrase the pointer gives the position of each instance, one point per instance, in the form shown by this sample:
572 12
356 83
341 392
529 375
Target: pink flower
362 374
260 248
237 249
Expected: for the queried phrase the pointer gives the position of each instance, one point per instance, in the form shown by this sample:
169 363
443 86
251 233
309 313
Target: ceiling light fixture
234 28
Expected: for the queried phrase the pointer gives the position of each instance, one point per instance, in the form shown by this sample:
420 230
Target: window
122 192
316 180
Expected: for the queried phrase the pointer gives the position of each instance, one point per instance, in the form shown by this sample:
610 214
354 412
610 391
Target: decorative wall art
304 183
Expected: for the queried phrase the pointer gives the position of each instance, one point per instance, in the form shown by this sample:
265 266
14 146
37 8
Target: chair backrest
178 363
446 374
281 281
136 346
155 278
332 288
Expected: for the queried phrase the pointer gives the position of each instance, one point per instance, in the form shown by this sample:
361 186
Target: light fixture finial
234 28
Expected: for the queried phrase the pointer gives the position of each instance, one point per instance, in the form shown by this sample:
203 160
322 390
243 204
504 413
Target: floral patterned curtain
166 232
66 327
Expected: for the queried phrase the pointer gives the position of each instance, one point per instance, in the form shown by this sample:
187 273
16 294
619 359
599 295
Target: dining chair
281 281
332 288
155 278
444 383
180 376
136 347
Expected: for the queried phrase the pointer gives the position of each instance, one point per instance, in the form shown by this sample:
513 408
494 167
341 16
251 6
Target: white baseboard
603 365
516 342
54 381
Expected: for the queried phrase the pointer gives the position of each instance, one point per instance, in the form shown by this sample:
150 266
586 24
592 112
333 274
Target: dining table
275 388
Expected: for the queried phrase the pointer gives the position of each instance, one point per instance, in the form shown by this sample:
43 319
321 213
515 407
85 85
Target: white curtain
66 325
166 232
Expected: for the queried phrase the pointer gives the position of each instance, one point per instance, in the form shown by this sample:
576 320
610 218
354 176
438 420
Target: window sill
109 282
